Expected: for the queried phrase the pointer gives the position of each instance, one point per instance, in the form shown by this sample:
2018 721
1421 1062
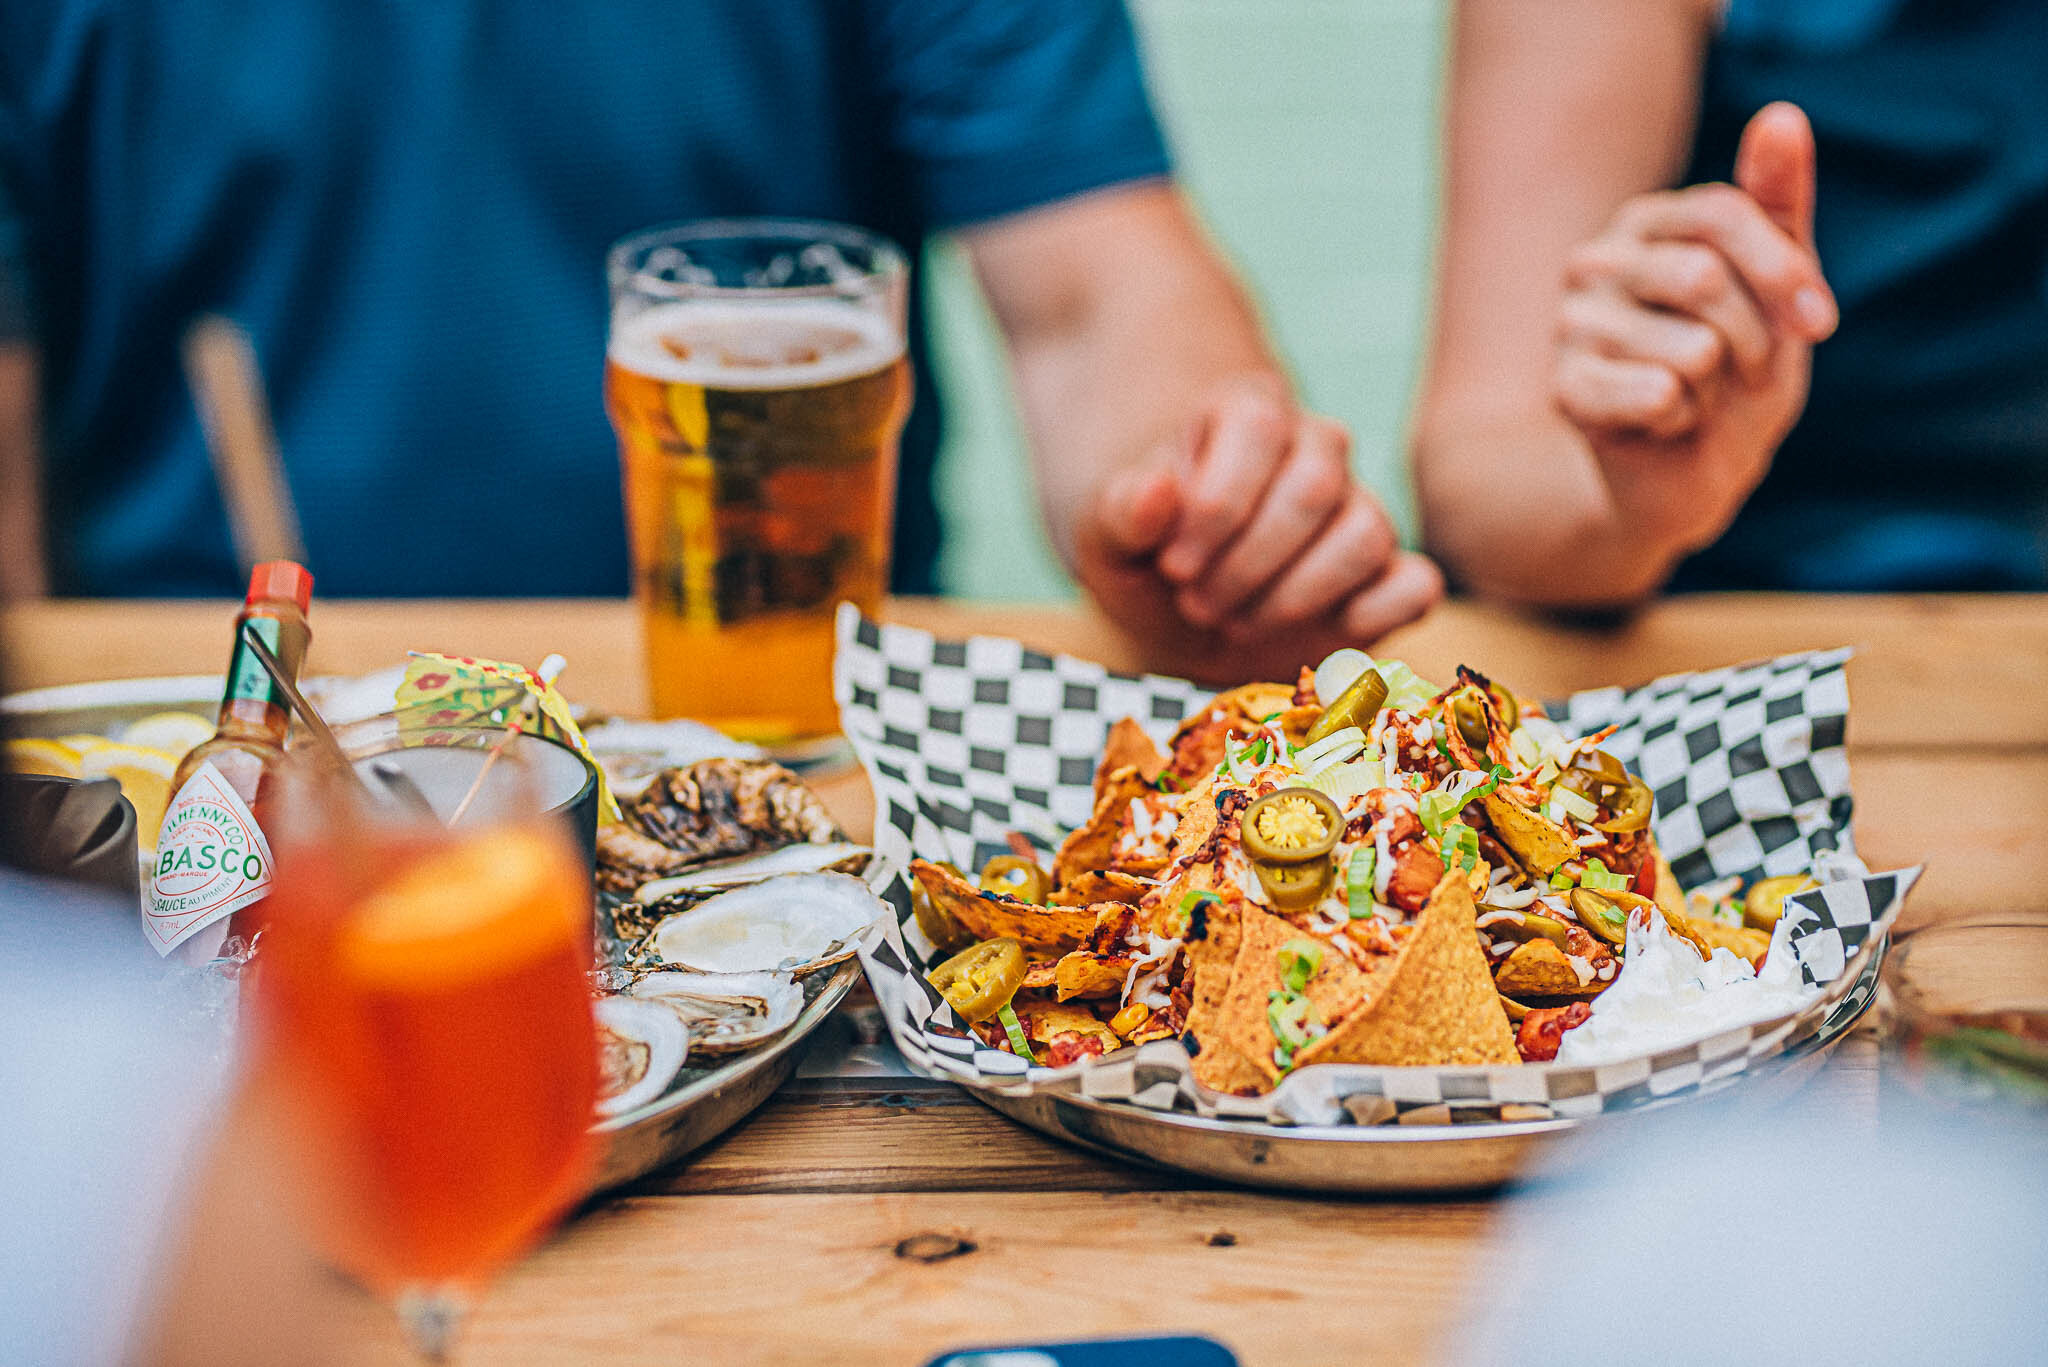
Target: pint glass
757 380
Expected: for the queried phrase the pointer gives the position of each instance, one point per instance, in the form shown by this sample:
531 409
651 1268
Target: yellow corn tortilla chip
1707 936
1539 968
1102 885
1087 848
1670 897
1128 747
1255 701
1537 843
1085 973
992 916
1044 1021
1336 988
1434 1005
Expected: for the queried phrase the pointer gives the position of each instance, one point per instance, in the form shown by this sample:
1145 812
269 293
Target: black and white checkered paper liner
967 741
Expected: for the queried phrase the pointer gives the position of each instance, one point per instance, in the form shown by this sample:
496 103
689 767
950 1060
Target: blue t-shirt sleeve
14 310
997 106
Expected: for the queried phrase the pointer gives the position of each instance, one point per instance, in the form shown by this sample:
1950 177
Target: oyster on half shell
680 890
632 919
641 1048
794 924
713 809
724 1011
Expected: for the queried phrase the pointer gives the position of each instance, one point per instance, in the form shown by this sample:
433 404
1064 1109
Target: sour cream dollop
1667 996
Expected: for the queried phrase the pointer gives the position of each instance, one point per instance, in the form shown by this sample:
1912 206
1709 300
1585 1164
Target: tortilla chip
1088 847
1096 886
1539 968
1435 1004
994 915
1296 721
1044 1021
1039 975
1708 935
1256 701
1670 897
1537 843
1084 973
1211 948
1337 987
1128 747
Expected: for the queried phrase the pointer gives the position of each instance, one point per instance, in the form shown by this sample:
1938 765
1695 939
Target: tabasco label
211 861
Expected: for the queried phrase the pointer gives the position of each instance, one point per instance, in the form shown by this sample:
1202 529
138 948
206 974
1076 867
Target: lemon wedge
35 755
145 778
175 733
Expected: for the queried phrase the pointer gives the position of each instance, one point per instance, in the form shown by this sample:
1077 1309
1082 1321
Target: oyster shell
725 1011
641 1048
631 920
706 879
713 809
797 923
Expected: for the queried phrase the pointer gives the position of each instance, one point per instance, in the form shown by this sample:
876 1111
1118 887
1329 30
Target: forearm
1513 508
1122 323
23 570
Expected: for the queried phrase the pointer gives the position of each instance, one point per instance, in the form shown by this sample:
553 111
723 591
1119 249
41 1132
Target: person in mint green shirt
408 206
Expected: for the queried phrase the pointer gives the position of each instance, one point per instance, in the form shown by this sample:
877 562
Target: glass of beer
757 379
424 1032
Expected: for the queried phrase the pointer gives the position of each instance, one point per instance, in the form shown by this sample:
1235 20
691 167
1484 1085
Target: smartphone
1179 1350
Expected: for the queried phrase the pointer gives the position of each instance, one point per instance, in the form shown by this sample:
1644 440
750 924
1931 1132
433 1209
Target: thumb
1774 166
1134 511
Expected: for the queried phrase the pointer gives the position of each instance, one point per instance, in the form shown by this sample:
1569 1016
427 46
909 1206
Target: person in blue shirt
408 206
1629 388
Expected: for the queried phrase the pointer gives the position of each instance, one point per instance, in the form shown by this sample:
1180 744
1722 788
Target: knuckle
1698 351
1718 205
1696 275
1333 434
1255 411
1663 393
1319 478
1588 262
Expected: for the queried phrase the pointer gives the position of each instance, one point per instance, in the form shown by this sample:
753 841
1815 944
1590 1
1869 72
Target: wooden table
791 1244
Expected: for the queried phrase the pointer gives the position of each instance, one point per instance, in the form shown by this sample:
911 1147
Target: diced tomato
1543 1029
1070 1047
1645 884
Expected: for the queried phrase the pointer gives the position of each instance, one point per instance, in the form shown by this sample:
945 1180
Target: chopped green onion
1562 881
1167 783
1294 1022
1461 847
1599 879
1465 786
1571 804
1019 1042
1358 881
1299 960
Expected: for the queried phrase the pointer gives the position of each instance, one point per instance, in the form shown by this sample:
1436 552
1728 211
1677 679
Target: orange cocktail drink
425 1016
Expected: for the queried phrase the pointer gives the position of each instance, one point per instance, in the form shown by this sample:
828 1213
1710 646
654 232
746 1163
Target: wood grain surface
883 1220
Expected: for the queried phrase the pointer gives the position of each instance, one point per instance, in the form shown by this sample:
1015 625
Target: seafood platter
1357 930
729 905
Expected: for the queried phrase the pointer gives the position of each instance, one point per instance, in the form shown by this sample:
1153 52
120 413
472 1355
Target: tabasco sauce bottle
213 863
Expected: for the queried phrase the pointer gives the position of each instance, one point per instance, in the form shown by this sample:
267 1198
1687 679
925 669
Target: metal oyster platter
706 1101
728 1069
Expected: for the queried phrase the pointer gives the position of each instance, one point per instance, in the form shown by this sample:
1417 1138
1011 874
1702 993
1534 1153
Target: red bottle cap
281 579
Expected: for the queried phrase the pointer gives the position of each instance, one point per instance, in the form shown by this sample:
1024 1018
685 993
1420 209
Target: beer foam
638 342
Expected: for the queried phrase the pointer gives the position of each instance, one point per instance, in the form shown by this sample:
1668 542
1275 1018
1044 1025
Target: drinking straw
220 365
